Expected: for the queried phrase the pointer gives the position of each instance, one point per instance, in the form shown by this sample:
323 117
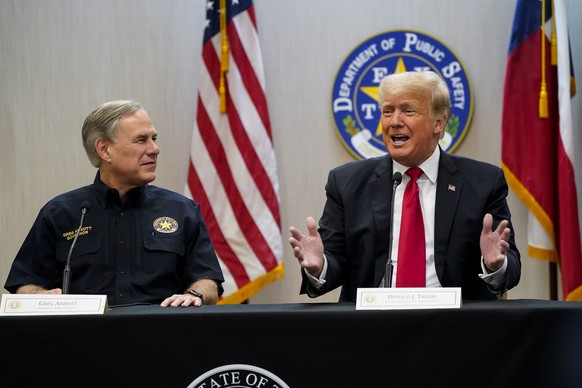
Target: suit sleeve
332 231
500 211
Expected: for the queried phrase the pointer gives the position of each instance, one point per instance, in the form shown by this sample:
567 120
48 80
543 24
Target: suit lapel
449 188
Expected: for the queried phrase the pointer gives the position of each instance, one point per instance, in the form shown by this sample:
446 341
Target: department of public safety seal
238 376
355 104
165 225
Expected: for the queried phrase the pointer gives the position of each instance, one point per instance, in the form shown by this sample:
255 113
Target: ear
439 124
102 149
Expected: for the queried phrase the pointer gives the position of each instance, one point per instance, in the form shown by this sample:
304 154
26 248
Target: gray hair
425 83
102 124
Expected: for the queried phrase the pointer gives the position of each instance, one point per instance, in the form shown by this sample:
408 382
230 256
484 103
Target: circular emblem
355 104
165 225
14 305
238 376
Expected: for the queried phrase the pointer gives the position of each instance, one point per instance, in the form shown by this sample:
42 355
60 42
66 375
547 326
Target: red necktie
411 269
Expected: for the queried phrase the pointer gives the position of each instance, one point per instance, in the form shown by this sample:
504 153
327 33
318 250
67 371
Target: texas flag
537 141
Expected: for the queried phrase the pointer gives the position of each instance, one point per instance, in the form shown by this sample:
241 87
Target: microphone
396 180
85 206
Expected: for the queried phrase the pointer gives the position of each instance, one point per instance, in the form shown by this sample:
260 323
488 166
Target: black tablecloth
517 343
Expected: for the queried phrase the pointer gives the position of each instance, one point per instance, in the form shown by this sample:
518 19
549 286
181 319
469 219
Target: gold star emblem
165 225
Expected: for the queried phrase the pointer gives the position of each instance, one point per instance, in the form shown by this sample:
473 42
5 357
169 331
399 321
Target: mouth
399 139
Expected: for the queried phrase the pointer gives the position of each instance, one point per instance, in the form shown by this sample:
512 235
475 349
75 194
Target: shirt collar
430 167
107 195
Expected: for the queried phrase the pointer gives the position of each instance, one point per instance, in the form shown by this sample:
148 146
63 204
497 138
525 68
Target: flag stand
553 281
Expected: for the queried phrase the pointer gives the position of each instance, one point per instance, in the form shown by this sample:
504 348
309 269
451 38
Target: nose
153 148
396 119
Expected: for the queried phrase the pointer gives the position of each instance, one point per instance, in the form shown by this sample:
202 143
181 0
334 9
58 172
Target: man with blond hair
463 236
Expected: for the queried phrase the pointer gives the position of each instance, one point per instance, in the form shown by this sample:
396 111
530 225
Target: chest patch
165 225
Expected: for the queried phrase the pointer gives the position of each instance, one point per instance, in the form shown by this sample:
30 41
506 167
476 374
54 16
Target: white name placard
408 298
48 304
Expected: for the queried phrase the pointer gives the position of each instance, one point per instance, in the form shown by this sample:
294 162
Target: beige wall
61 58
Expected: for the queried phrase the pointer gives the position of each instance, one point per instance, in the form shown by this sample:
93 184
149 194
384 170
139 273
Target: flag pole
553 281
223 57
543 101
543 113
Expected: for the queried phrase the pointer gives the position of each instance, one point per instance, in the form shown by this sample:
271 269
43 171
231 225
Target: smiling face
409 130
129 161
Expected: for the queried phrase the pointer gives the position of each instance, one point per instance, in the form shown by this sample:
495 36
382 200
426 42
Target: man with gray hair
138 244
451 223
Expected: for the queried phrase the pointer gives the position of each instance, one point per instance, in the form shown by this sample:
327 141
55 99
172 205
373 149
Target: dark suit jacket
355 225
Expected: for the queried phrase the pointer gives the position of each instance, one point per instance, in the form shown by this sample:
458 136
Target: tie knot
414 173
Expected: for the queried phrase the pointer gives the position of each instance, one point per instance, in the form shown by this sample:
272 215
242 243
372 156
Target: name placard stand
51 304
408 298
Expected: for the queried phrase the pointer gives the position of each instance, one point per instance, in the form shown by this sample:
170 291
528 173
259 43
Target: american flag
233 170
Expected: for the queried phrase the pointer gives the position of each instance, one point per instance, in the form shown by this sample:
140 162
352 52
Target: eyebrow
406 103
142 136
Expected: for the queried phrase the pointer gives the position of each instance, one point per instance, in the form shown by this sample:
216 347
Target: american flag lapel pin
451 187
